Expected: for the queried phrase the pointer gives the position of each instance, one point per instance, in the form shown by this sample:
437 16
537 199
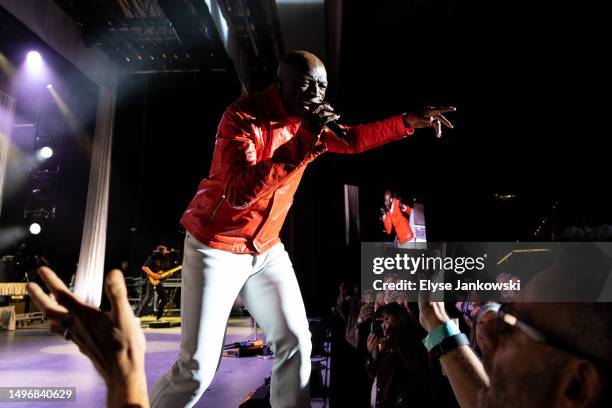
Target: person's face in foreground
302 84
526 373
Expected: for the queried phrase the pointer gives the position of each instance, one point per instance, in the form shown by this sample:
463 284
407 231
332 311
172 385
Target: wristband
437 335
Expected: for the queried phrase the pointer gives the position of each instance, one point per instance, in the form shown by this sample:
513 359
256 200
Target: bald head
301 80
302 61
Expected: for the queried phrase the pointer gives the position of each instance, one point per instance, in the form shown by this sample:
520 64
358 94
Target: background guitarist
158 267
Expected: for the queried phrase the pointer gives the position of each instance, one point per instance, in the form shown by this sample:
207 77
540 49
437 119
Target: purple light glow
34 59
35 64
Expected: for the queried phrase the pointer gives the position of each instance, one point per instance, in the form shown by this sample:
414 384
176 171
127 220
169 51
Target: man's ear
580 384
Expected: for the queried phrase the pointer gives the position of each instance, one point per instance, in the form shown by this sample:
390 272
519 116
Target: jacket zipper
212 215
281 212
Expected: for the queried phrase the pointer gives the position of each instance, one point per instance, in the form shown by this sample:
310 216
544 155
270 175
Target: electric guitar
163 275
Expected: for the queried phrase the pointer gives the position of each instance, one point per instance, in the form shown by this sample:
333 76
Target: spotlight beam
6 67
71 120
9 236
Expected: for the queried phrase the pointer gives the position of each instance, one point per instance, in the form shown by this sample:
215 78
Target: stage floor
33 357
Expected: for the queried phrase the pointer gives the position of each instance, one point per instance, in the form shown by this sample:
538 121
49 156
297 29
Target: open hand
430 117
114 341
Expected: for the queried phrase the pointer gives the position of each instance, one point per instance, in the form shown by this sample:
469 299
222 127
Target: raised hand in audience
113 341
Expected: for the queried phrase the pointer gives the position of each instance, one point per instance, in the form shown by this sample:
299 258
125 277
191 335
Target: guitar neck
171 271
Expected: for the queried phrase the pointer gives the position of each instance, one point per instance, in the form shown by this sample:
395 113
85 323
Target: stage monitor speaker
258 398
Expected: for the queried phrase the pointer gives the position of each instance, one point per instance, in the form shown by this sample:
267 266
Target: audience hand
431 314
114 341
373 345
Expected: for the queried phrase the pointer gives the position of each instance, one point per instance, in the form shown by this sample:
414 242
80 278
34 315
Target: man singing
263 145
396 216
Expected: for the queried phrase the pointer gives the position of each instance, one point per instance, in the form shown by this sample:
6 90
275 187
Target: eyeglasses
508 321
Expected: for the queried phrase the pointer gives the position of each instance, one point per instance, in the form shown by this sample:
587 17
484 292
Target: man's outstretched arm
369 136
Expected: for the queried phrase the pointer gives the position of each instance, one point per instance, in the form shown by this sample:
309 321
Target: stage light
34 61
46 152
35 69
35 228
49 86
34 58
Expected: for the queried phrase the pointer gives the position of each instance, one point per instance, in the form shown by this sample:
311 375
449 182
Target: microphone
335 128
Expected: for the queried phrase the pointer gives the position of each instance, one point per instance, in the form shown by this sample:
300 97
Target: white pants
212 279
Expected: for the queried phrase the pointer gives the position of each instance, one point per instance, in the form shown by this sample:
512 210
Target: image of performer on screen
396 219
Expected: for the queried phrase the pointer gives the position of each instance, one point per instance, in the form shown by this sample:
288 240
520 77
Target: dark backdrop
520 75
506 67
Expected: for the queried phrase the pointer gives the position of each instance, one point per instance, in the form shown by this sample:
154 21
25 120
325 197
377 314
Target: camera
377 329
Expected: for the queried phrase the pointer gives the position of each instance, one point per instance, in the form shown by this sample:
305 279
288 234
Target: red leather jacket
396 219
260 155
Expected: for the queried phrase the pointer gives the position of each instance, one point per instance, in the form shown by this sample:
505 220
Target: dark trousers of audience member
161 295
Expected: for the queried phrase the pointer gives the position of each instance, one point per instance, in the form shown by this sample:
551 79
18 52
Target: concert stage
33 357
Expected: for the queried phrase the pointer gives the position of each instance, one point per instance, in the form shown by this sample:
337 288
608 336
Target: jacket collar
276 109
